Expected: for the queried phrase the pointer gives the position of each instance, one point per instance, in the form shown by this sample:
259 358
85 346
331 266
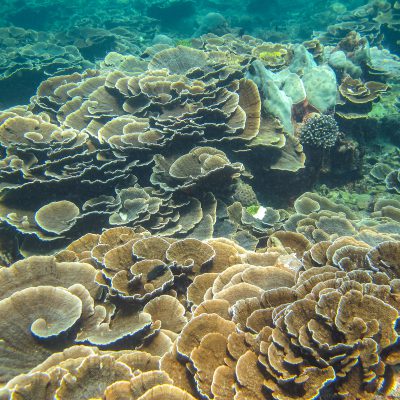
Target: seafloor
199 200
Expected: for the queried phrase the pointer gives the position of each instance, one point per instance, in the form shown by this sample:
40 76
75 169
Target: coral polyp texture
319 131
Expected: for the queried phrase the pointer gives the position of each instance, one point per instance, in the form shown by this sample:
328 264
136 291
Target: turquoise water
95 28
199 199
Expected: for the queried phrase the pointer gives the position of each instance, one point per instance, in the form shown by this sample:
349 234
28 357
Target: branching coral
319 131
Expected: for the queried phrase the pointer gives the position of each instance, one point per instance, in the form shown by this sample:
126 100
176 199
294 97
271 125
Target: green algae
253 209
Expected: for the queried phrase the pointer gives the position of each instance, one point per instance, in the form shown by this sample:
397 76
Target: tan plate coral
292 321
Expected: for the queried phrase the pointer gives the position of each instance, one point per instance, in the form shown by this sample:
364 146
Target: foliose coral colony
202 219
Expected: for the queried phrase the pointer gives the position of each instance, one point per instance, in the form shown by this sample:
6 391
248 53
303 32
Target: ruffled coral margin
129 315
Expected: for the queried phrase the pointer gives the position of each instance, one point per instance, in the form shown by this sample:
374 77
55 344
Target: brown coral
358 97
263 323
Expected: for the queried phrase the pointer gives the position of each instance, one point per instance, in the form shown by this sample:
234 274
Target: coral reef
319 131
210 318
166 141
199 200
28 57
358 97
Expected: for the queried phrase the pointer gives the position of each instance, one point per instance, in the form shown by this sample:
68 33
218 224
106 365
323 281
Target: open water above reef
199 199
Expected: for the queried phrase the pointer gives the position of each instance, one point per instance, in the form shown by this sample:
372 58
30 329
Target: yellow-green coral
184 42
273 55
270 55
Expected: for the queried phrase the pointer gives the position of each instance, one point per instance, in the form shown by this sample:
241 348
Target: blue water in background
184 17
129 26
